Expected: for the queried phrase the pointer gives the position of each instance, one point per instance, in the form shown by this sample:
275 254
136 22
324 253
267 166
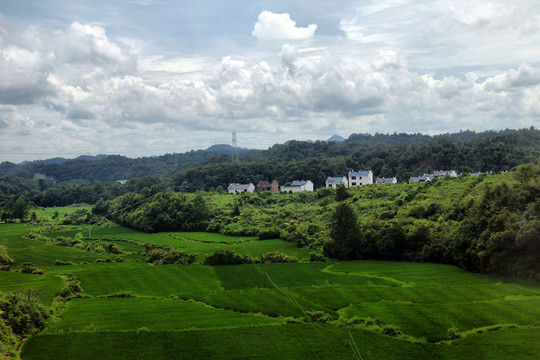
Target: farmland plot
325 310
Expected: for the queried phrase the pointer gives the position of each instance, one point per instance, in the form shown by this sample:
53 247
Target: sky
150 77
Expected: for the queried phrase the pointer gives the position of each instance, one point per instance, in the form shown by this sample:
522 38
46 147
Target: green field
136 310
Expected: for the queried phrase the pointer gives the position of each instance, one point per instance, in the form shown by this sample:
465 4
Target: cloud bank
78 89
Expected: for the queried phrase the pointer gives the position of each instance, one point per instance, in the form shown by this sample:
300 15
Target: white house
240 188
333 182
441 173
386 180
360 178
298 185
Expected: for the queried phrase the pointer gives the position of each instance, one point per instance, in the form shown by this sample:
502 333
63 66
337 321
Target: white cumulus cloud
271 26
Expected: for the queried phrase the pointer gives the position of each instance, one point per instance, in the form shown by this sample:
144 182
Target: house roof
335 179
239 186
360 173
385 180
298 183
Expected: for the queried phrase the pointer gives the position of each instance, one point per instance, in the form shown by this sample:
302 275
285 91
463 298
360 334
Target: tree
342 193
345 234
16 208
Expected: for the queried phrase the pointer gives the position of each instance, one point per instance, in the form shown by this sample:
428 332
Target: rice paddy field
132 309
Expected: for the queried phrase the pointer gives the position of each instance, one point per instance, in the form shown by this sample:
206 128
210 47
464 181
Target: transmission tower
235 153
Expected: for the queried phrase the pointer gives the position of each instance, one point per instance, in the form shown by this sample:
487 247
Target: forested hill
400 155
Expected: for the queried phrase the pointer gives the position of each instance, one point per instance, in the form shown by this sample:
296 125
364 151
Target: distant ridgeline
387 155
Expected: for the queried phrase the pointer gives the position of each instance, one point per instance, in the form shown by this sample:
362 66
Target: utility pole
89 229
235 153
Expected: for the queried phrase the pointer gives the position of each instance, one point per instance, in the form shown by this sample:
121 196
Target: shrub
62 262
108 260
226 257
166 256
23 312
29 268
4 257
73 289
64 241
8 342
269 234
391 330
318 316
316 257
453 334
121 294
277 257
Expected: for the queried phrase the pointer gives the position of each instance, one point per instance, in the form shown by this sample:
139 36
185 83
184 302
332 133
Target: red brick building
266 186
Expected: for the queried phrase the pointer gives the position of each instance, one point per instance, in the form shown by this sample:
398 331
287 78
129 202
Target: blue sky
148 77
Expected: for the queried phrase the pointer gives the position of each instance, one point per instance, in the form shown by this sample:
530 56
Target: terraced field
320 310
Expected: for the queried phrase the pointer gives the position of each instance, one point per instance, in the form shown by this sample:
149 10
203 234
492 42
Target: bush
391 330
226 257
316 257
62 262
23 312
64 241
318 316
453 334
29 268
8 342
166 256
73 289
121 294
4 257
277 257
269 234
102 247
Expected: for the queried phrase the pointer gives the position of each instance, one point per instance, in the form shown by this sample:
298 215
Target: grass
238 311
198 242
298 341
212 237
48 285
145 279
121 314
433 321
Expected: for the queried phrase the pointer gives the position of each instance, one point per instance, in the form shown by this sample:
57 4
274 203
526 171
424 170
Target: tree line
386 154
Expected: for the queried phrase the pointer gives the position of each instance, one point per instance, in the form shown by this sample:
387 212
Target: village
354 178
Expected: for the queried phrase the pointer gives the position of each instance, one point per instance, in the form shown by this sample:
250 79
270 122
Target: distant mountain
221 148
56 160
335 138
91 157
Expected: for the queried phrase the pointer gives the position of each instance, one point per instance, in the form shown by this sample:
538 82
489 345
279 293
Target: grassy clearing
288 275
47 284
201 243
433 321
300 341
212 237
131 314
145 279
